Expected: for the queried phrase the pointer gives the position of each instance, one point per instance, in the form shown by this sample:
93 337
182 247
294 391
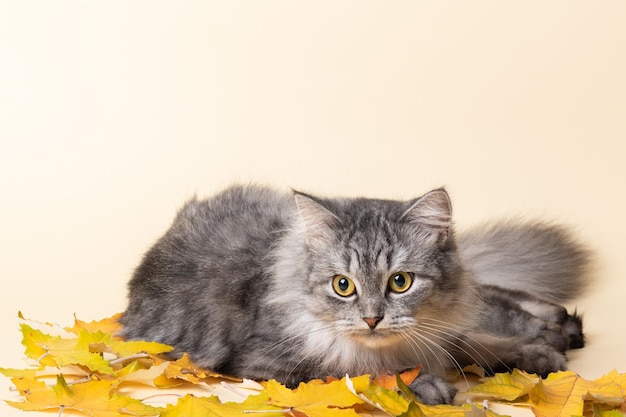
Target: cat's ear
432 210
319 221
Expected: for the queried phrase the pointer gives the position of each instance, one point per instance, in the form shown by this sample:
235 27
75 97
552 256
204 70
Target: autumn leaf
613 378
183 369
133 347
28 385
190 405
507 386
97 374
99 341
598 412
564 393
315 399
140 371
18 373
36 343
93 333
83 350
390 401
444 410
404 403
109 325
93 398
405 390
390 381
56 351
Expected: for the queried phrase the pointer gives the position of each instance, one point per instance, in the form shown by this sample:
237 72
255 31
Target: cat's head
376 268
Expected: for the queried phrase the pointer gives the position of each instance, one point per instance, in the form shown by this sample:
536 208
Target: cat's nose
372 322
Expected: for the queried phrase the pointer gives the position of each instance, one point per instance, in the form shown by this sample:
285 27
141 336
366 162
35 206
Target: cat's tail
543 259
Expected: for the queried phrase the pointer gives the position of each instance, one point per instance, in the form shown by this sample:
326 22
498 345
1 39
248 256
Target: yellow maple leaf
132 347
56 351
110 325
183 369
112 363
18 373
99 341
190 405
613 378
392 401
388 400
507 386
92 338
315 399
444 410
564 393
93 398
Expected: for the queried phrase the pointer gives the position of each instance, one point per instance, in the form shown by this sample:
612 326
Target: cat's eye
343 286
400 282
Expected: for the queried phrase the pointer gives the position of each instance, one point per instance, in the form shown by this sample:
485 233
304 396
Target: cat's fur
243 281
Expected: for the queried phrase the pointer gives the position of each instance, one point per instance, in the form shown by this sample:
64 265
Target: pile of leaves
87 369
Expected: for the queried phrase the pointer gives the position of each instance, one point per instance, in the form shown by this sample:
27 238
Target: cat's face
378 267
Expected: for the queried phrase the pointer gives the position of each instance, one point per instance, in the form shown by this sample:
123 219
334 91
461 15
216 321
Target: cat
262 284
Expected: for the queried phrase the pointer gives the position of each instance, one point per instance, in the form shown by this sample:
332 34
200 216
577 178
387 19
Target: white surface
113 113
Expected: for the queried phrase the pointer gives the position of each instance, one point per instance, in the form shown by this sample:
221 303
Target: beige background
112 114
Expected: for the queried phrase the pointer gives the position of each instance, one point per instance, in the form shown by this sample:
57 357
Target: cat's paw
572 328
552 337
431 389
566 334
541 360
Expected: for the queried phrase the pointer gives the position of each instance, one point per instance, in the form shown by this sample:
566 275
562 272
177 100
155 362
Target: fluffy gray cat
261 284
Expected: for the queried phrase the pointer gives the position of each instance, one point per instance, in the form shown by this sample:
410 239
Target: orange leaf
390 381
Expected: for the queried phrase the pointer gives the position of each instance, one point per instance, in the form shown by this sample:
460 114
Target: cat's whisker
453 332
427 343
414 344
479 359
442 333
445 351
451 357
